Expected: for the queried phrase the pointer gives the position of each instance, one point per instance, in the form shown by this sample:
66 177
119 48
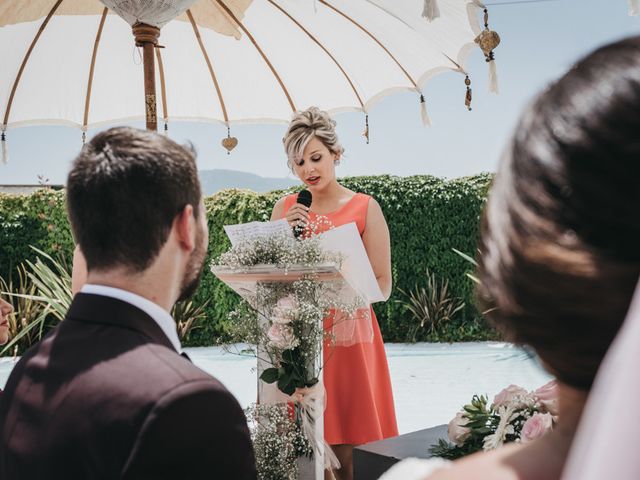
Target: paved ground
430 381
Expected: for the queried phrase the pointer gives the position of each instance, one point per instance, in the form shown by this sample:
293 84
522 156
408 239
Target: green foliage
44 296
38 220
427 218
430 305
27 310
187 314
480 420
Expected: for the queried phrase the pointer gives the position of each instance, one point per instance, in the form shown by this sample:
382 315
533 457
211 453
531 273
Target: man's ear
185 227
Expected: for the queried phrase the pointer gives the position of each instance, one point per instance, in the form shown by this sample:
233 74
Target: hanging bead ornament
166 128
365 134
468 96
431 11
230 142
426 121
5 148
84 137
488 40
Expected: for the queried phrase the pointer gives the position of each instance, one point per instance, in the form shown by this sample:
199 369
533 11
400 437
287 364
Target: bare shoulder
374 211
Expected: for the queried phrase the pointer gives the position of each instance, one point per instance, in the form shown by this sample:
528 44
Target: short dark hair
561 233
124 190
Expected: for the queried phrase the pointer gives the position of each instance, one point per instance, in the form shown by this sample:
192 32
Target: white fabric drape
606 445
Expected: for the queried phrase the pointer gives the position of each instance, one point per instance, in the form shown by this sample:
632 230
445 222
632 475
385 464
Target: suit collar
100 309
155 311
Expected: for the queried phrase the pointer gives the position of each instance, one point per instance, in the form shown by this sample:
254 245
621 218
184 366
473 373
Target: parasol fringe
634 7
426 121
431 10
365 134
493 77
469 93
5 149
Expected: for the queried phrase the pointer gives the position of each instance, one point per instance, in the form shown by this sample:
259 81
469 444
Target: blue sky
539 42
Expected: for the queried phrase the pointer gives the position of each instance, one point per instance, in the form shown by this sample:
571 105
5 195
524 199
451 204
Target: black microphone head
304 197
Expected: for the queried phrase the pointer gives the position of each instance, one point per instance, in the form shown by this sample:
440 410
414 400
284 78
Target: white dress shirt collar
164 320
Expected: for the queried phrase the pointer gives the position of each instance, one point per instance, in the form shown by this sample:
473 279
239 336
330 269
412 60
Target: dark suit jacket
105 396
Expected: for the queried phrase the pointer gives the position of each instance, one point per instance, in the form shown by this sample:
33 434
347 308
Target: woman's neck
329 194
332 190
571 402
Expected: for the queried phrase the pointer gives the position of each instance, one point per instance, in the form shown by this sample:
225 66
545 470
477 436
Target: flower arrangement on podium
281 323
515 415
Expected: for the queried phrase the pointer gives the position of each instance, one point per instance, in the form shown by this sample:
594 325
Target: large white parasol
75 62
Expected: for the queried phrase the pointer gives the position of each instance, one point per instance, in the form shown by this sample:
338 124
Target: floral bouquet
515 415
282 324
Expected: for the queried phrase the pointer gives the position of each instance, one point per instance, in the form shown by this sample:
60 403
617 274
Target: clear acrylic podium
246 284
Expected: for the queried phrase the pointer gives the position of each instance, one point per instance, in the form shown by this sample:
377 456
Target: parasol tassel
365 134
431 10
488 40
634 7
469 94
5 149
493 77
426 121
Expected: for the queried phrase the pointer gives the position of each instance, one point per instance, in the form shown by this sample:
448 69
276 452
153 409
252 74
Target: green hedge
427 217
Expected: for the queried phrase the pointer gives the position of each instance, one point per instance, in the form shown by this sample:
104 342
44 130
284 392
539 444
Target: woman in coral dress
359 400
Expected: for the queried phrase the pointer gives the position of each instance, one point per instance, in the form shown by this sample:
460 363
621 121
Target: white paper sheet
249 231
356 268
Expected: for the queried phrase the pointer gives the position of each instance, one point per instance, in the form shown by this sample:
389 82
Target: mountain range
215 180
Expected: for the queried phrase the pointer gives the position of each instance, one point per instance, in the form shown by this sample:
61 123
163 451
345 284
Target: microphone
304 198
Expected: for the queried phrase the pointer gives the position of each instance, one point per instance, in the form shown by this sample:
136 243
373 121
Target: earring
336 162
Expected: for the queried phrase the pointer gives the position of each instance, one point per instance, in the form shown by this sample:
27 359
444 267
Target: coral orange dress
359 400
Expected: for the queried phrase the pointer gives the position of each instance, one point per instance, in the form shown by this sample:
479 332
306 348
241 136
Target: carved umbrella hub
147 36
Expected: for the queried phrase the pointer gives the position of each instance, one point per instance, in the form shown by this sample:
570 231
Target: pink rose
507 395
282 337
285 311
457 431
547 396
536 426
287 303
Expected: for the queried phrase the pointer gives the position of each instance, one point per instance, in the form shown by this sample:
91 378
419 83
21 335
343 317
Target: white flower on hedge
282 337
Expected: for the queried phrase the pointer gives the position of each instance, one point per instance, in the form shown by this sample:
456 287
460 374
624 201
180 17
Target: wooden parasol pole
147 37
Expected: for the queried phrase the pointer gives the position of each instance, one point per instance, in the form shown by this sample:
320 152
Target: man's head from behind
130 191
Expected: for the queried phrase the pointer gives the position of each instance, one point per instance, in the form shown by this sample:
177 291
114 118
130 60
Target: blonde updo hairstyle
305 125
